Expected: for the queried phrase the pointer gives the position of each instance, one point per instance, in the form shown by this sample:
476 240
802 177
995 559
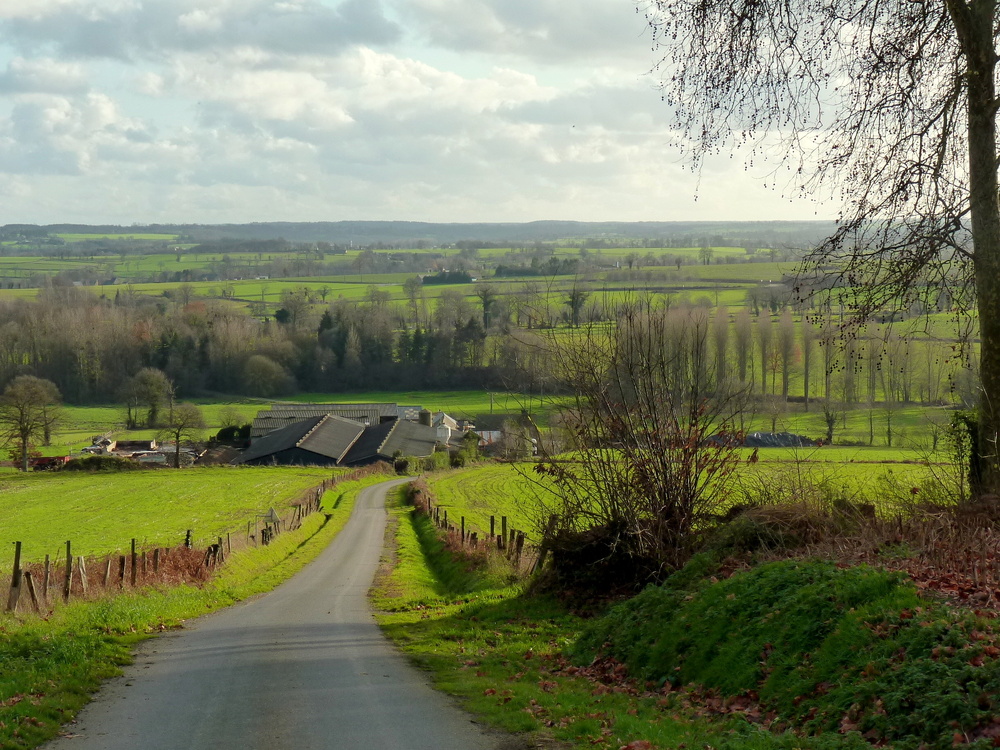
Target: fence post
156 561
135 568
107 572
187 539
82 568
31 591
15 580
68 585
122 562
45 580
493 527
463 529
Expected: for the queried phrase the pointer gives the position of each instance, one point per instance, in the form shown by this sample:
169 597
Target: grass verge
49 667
501 651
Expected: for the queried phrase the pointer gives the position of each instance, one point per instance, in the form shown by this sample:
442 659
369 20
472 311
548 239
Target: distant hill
412 233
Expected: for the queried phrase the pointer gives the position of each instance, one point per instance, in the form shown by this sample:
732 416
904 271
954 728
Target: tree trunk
974 23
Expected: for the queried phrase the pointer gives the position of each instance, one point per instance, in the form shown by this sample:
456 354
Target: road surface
302 667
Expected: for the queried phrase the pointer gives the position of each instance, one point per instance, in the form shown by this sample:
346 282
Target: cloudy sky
141 111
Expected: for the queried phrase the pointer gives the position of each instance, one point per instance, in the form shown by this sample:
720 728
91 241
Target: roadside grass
100 513
500 650
49 667
815 646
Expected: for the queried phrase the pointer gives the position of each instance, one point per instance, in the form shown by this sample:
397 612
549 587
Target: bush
102 463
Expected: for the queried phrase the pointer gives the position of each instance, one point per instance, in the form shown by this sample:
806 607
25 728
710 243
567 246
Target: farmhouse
332 440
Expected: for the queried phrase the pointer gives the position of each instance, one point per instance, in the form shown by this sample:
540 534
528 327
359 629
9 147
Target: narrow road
302 667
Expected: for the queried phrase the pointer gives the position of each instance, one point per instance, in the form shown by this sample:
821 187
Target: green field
101 513
884 477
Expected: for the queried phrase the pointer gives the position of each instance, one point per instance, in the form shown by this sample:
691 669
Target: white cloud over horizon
122 111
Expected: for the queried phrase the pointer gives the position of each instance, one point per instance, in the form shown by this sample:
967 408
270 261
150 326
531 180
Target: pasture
101 513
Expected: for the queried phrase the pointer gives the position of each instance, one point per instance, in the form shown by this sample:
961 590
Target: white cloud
253 110
551 31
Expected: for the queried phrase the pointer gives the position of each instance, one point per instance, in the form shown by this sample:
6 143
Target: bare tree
186 423
743 330
28 408
891 104
786 348
765 330
652 439
808 340
720 336
487 294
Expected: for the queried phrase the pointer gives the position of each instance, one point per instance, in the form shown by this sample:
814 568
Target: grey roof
369 445
281 415
332 436
410 439
345 441
278 440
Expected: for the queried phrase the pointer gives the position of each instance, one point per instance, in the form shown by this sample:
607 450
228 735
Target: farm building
282 415
331 440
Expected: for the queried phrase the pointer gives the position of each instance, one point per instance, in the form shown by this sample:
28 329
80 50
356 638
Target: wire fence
41 585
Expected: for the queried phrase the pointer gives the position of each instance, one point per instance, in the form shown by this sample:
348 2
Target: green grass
489 490
49 668
500 651
825 648
101 513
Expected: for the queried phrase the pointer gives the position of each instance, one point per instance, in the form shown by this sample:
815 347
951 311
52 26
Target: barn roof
281 415
343 441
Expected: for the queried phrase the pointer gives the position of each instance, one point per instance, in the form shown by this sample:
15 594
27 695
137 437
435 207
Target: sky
232 111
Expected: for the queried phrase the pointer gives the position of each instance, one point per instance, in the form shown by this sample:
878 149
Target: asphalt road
302 667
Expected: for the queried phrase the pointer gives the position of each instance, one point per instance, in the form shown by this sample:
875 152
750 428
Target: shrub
102 463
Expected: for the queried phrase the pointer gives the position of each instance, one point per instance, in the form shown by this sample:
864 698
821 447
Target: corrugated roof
279 440
367 446
281 415
332 436
410 439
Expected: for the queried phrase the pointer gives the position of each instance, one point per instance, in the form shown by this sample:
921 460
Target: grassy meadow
101 513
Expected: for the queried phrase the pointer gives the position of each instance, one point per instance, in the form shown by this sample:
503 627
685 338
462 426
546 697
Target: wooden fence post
15 580
68 585
135 568
46 576
122 563
187 539
156 561
81 565
463 529
107 572
493 527
31 591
